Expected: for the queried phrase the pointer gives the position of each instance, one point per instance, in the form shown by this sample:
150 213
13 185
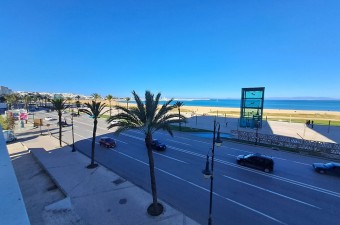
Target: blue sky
183 49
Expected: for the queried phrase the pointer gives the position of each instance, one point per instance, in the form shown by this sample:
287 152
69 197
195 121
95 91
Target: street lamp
206 172
73 147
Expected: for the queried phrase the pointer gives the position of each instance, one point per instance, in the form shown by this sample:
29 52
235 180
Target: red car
107 142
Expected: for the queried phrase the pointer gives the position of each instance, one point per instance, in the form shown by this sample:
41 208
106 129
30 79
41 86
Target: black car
157 145
107 142
329 168
63 123
257 161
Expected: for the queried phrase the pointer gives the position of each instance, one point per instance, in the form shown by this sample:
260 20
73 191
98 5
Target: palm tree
95 111
178 105
109 98
148 119
11 99
78 106
95 96
27 100
59 105
78 97
127 99
69 99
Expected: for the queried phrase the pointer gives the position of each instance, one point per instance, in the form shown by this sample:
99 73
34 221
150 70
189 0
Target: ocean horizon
313 105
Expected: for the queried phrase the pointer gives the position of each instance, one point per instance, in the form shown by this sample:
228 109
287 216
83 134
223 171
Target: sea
311 105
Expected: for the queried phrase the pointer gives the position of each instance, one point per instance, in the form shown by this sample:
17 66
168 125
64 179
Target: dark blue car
330 168
157 145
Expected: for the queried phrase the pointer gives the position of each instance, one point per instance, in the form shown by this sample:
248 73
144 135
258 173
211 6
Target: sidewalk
98 196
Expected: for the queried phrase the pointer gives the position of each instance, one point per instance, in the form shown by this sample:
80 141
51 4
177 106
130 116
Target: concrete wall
12 206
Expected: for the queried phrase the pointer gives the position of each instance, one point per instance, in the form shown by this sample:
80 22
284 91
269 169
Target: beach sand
235 112
272 113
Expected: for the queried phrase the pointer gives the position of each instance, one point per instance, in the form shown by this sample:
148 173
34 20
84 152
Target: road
292 194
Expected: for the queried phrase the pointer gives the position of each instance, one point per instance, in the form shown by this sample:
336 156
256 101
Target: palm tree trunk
110 108
148 141
179 116
93 141
59 115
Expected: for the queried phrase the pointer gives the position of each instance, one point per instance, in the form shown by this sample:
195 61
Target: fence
288 142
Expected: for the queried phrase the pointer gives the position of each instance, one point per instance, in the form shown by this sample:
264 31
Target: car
157 145
48 118
107 142
256 160
329 168
63 123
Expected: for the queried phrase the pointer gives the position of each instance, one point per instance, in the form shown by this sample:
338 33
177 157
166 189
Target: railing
288 142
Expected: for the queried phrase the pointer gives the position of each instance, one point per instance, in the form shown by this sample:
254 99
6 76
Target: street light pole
73 147
216 141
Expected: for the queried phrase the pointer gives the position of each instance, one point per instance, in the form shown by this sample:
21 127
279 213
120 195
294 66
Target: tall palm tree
96 96
127 99
109 98
78 106
69 99
178 105
147 118
27 100
59 105
94 110
78 97
11 99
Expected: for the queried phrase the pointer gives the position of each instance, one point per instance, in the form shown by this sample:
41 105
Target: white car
48 118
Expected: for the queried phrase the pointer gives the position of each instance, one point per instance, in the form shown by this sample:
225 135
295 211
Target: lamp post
206 172
73 147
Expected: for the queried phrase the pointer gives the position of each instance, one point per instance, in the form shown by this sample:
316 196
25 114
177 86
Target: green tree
109 98
147 118
11 99
59 106
69 99
94 110
78 106
127 99
178 105
27 100
96 96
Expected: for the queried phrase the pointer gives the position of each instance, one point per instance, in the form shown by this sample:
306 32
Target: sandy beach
235 112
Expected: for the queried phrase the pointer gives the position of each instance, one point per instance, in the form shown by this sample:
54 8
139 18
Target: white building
5 90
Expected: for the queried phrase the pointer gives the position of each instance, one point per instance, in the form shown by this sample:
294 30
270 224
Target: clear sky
181 48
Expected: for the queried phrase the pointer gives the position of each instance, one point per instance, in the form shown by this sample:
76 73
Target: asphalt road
292 194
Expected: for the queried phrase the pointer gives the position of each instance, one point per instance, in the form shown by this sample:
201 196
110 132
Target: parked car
329 168
157 145
48 118
257 161
107 142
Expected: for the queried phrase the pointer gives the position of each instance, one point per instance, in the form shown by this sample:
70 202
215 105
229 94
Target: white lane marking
207 190
131 136
306 164
311 187
272 192
178 142
170 157
98 142
196 140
